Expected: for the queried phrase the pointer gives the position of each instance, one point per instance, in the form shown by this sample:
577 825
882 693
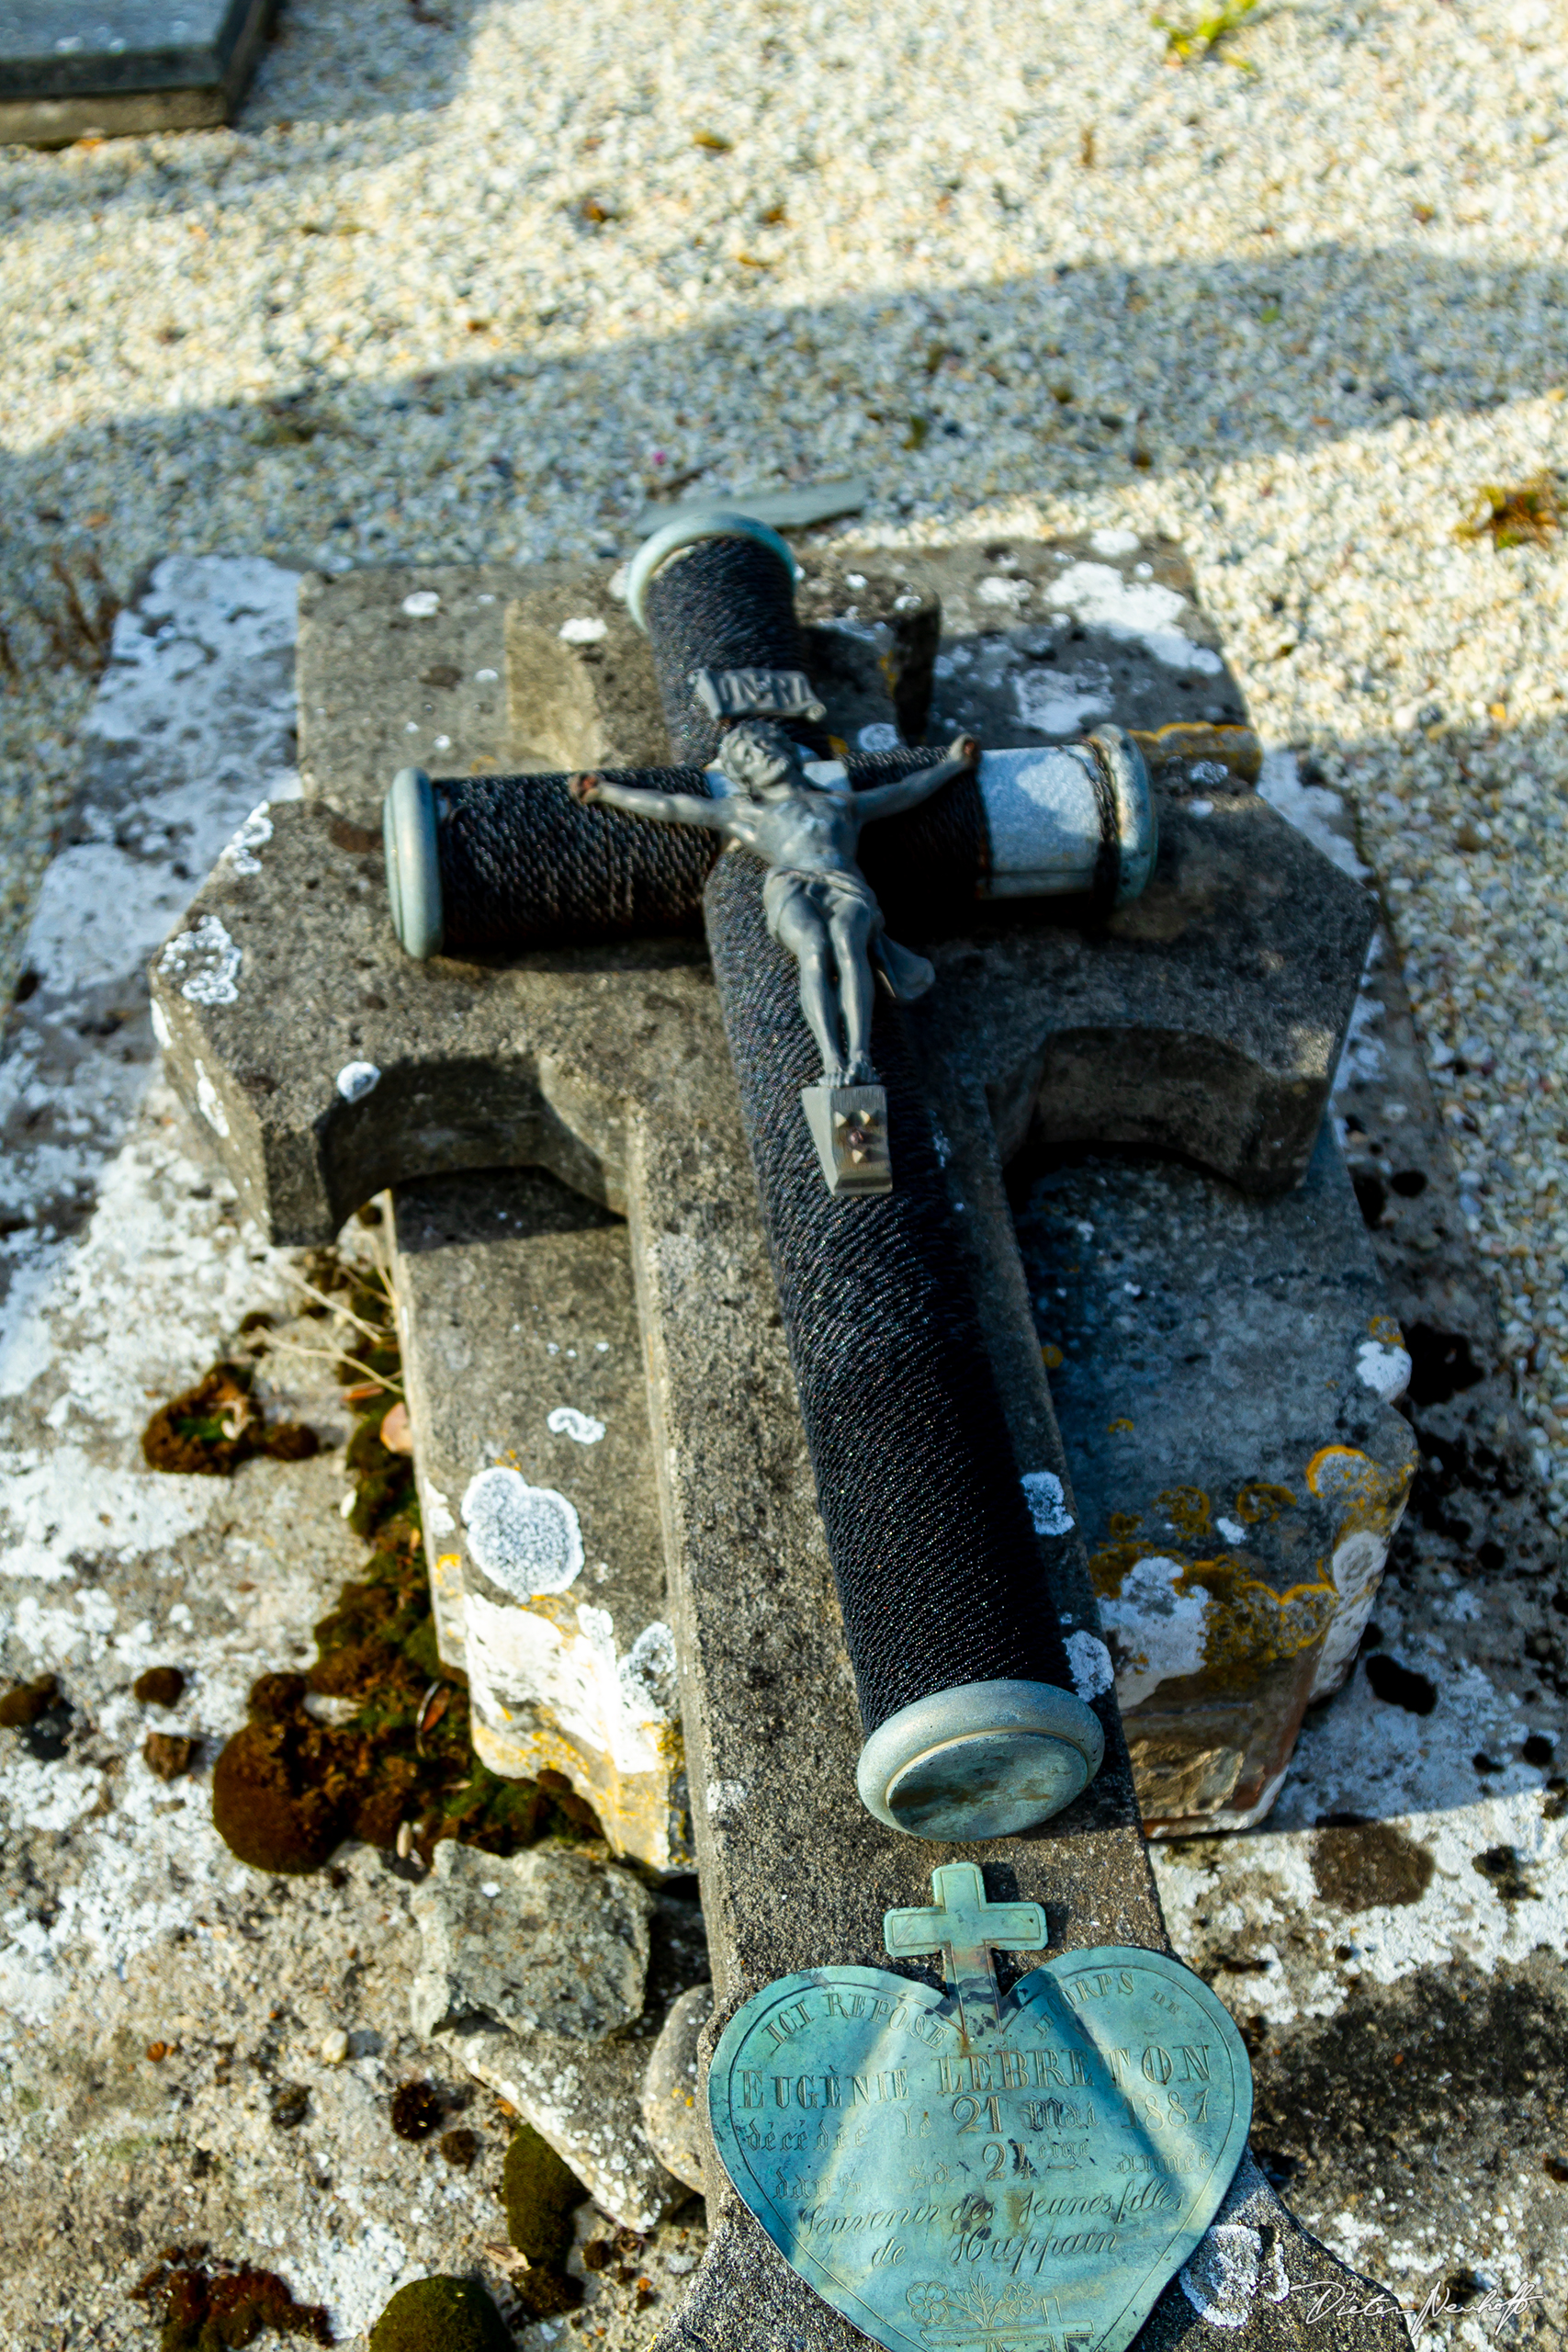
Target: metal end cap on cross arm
1137 826
413 862
986 1759
688 531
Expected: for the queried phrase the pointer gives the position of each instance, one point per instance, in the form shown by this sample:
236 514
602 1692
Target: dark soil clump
42 1713
169 1754
210 1429
161 1686
418 2109
25 1703
206 2304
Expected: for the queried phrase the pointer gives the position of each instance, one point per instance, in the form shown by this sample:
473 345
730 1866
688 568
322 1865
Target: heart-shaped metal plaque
962 2172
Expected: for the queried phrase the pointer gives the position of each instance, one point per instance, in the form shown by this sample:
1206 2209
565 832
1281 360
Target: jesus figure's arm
909 791
634 800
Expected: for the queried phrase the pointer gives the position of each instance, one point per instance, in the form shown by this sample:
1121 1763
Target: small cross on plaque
965 1929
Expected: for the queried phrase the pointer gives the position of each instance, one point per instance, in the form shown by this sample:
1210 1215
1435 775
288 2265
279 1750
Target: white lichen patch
240 855
565 1420
203 963
1382 1368
1058 702
209 1103
527 1539
438 1519
1228 2270
1097 596
1357 1563
1090 1661
648 1677
1047 1503
355 1081
1155 1631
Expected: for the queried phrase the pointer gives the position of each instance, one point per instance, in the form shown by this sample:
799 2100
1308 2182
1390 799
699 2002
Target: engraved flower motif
953 2315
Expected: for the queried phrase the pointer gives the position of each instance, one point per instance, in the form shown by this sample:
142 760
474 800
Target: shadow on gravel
1298 350
329 63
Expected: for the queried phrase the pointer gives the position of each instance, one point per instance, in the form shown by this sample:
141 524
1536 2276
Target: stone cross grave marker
381 1071
1226 1359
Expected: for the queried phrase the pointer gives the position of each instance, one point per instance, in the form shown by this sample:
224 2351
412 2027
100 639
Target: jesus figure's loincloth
905 975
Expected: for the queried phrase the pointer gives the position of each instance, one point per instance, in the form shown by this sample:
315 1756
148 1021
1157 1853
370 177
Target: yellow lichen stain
1365 1498
637 1810
1250 1624
1362 1488
1256 1505
1122 1428
1108 1565
1050 1356
1110 1562
446 1595
1384 1328
1187 1508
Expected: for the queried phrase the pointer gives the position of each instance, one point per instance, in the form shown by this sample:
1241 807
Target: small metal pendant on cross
967 1929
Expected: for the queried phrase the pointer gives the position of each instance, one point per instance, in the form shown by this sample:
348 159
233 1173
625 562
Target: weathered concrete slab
1174 1030
402 660
110 68
525 1374
792 1872
1223 1370
1196 964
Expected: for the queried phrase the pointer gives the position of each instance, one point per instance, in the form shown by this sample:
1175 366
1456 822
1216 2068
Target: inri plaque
959 2172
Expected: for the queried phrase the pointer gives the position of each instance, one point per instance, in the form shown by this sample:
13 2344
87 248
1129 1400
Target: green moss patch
440 2315
399 1770
542 2193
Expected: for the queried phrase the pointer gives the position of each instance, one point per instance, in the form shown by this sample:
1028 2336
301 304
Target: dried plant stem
388 1381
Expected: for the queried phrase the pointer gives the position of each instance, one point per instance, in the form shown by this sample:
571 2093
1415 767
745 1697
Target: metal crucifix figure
806 828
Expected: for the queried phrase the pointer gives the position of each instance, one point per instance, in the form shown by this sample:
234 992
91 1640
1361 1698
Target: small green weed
1204 36
1527 516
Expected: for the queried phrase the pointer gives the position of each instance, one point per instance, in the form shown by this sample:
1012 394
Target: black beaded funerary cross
973 1731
